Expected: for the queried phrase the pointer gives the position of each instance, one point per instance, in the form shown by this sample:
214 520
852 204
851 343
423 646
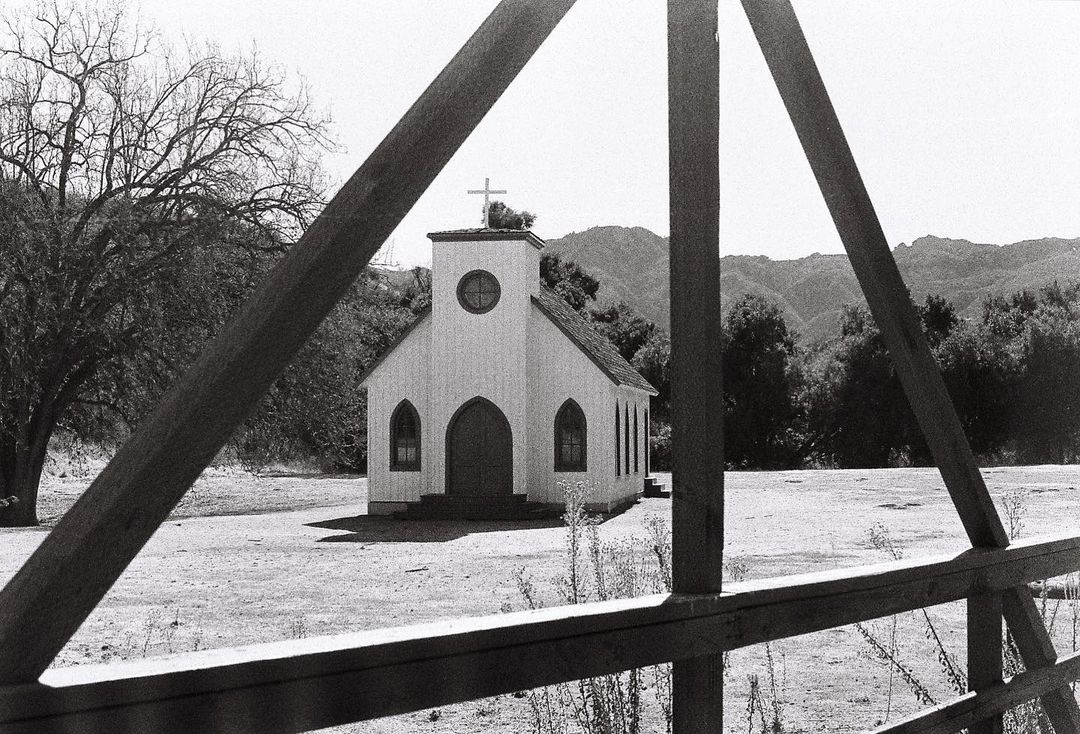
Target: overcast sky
963 116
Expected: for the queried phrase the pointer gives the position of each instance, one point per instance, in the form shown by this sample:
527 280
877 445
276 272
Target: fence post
984 652
697 407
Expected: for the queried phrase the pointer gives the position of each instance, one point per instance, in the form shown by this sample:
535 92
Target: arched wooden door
479 451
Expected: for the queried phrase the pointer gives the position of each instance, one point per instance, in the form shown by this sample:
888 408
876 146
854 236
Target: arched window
405 438
570 438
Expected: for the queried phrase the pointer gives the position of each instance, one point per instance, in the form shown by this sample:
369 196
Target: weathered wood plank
1037 650
804 95
696 394
73 568
697 478
963 712
302 684
984 658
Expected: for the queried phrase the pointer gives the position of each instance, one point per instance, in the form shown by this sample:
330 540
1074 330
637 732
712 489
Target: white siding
558 370
482 354
405 374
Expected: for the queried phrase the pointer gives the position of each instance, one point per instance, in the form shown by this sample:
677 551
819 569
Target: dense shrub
761 378
317 410
659 446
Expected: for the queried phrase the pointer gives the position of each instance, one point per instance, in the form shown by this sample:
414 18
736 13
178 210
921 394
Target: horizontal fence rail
312 683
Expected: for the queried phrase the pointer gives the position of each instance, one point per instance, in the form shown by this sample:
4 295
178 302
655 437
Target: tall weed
599 569
1027 718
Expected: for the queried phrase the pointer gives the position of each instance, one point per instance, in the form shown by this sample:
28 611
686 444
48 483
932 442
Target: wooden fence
304 684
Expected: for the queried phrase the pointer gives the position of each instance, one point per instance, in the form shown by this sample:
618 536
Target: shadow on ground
375 529
312 474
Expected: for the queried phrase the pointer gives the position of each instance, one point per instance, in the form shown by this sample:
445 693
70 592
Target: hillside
631 264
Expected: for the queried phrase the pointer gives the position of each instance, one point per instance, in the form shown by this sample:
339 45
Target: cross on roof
486 191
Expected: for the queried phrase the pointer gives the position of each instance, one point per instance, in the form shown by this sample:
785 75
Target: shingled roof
595 345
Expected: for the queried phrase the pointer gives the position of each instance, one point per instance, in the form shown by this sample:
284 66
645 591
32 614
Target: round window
478 291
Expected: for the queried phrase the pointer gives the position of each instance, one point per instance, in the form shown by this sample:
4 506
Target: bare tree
132 175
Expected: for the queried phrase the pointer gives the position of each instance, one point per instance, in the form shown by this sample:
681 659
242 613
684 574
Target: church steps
458 507
457 499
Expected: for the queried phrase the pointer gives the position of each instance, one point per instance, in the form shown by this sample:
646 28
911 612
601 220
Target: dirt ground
246 560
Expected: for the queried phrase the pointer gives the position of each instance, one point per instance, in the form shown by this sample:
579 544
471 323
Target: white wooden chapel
501 391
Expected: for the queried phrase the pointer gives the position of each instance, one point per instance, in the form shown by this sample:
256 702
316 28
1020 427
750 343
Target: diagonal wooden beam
800 85
62 582
966 711
697 476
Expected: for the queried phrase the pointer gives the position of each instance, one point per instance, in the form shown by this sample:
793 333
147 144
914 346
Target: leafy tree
187 308
653 362
938 318
760 385
500 216
1046 415
566 278
857 412
1064 300
317 409
624 327
627 329
1047 409
981 373
1004 317
856 407
126 167
1028 395
659 446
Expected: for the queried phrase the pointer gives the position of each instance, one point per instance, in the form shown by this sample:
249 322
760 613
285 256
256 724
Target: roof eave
588 353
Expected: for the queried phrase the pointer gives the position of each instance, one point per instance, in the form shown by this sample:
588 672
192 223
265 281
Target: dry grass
237 565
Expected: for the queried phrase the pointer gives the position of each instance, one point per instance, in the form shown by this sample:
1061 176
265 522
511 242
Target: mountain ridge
631 264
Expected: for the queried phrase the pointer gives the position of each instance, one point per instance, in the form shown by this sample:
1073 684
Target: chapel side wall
641 400
482 354
405 374
559 370
629 482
